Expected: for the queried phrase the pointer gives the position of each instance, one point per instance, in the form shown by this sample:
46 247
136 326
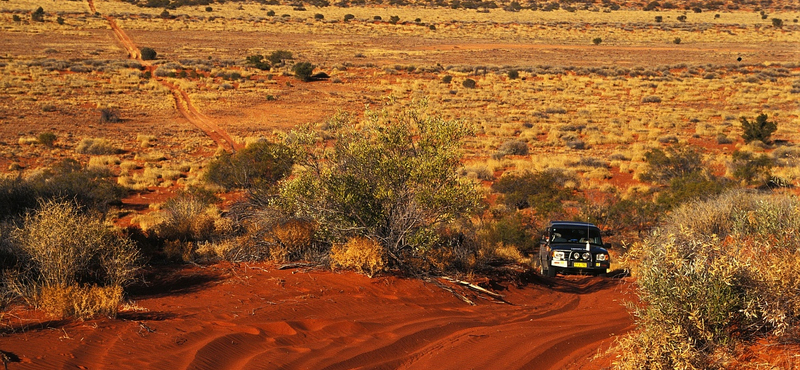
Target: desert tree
303 71
392 178
258 166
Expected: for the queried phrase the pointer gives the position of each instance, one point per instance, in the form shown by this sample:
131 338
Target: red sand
258 317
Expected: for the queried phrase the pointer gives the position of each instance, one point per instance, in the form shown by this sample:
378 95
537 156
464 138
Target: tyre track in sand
182 101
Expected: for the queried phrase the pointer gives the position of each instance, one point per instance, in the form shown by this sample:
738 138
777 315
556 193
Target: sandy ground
259 317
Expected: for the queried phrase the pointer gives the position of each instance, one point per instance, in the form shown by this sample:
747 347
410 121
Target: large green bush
544 191
760 129
715 273
392 178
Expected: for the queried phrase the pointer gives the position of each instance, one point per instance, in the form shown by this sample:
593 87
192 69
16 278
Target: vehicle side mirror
607 245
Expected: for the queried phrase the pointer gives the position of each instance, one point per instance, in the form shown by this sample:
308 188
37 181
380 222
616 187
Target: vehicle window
575 235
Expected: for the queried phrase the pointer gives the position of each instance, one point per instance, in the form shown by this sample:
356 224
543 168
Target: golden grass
359 254
79 302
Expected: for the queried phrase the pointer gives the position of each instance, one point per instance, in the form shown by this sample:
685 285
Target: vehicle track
182 101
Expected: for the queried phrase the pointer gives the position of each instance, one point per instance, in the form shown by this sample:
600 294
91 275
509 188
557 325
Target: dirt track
263 318
182 101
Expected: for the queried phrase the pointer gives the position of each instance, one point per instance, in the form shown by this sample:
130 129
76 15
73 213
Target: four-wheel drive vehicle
569 246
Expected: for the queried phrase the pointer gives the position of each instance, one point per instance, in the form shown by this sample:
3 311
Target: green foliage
469 83
751 169
670 164
392 178
681 18
209 9
715 273
60 21
258 61
258 166
511 147
90 188
271 13
349 17
47 139
16 18
544 191
319 16
513 74
303 71
760 129
148 53
676 41
187 218
394 19
38 15
777 22
597 40
691 186
279 56
447 79
511 230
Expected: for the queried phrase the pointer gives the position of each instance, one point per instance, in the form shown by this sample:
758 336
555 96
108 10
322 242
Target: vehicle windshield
575 235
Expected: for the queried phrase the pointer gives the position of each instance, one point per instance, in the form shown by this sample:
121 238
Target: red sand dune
258 317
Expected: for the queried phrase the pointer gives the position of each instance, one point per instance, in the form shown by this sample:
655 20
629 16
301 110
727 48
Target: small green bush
47 139
271 13
303 71
38 15
319 16
760 129
209 9
469 83
447 79
777 22
148 53
597 40
259 165
109 115
278 57
676 41
60 21
751 169
513 74
543 191
349 17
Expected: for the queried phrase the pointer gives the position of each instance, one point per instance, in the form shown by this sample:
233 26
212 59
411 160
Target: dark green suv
576 247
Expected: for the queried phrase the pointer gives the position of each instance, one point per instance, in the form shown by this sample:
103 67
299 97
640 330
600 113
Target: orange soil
258 317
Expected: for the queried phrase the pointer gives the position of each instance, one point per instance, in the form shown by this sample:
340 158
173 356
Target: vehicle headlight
576 256
601 257
587 255
558 255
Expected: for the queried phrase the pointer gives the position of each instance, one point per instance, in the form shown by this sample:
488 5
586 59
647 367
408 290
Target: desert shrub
394 19
291 240
279 56
349 17
676 40
513 74
512 231
259 165
258 61
691 186
511 147
359 254
681 18
96 146
319 16
81 302
717 272
47 139
469 83
58 247
303 71
187 218
38 15
148 53
16 18
665 165
777 22
60 21
760 129
597 40
722 139
651 99
668 139
109 115
91 188
209 9
393 178
544 191
659 19
751 169
447 79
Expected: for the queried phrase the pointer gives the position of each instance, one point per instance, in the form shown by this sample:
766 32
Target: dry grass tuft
359 254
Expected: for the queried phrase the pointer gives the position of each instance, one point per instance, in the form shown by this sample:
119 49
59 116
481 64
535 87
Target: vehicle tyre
551 272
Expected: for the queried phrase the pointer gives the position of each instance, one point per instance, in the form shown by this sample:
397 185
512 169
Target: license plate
580 264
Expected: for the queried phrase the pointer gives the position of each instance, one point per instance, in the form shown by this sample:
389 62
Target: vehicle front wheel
551 272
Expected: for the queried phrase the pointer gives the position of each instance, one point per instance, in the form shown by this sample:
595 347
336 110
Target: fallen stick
453 292
476 288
